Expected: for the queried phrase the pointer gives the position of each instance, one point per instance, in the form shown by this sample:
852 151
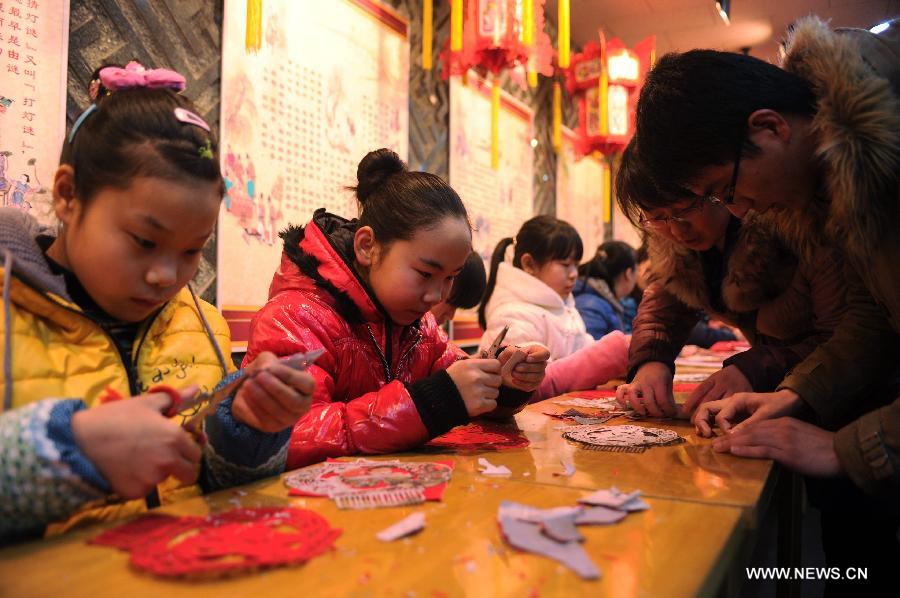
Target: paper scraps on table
227 543
691 377
481 436
568 469
616 499
604 404
554 533
532 536
621 439
729 347
581 417
491 469
599 515
366 484
407 526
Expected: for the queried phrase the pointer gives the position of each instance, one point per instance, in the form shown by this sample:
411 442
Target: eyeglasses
729 191
682 217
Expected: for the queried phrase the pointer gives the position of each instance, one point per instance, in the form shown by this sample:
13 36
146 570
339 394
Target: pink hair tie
134 75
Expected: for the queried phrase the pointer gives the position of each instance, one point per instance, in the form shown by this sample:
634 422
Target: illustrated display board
498 201
328 83
580 193
623 230
34 48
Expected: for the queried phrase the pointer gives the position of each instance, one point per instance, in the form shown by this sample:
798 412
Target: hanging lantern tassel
557 116
528 40
564 31
607 193
495 123
602 98
427 18
253 40
456 25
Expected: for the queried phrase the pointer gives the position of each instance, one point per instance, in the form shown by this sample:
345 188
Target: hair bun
374 170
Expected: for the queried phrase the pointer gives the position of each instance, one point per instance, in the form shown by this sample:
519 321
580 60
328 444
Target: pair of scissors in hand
491 352
208 402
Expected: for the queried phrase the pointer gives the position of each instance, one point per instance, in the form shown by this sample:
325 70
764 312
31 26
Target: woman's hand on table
795 444
744 408
650 392
721 385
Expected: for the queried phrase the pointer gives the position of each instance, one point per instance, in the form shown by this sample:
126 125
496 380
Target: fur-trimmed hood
322 252
857 123
759 268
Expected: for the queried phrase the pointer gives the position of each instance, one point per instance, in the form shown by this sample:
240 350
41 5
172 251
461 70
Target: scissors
230 384
206 403
492 350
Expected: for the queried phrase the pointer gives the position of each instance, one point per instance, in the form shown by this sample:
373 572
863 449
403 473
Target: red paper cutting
235 541
481 436
364 475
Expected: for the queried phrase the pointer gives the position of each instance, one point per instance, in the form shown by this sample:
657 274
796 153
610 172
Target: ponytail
612 258
498 256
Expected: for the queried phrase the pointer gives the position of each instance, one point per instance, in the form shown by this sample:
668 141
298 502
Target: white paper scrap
405 527
491 469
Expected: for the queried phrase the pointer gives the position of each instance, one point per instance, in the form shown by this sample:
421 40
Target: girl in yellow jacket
103 305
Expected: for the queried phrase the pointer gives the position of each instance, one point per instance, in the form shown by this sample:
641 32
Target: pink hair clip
188 117
135 75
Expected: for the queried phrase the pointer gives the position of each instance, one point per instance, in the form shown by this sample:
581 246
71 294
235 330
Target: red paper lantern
605 79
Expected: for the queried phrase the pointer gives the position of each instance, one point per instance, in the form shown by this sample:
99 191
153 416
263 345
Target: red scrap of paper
729 346
609 393
684 386
481 436
235 541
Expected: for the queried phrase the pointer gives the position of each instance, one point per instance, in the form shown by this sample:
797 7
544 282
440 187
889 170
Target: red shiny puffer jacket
380 388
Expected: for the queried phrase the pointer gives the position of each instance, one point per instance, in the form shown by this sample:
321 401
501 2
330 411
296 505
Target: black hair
612 258
636 189
693 108
133 133
545 238
469 284
396 202
642 253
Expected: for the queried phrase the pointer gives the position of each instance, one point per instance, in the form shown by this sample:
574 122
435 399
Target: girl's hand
478 381
523 367
134 445
273 399
650 392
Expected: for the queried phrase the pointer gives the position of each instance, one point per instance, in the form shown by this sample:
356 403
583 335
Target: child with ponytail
533 296
361 290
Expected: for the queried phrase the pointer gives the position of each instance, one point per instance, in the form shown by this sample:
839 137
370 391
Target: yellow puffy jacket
51 349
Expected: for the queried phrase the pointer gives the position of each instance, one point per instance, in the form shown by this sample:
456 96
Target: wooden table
460 553
703 508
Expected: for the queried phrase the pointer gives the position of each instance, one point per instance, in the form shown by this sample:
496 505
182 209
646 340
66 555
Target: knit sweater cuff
59 430
439 403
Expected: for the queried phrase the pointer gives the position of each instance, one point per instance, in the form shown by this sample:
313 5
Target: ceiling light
880 27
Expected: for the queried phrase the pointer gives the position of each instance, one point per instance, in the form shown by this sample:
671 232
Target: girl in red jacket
361 290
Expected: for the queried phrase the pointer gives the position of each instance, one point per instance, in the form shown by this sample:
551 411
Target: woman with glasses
737 271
